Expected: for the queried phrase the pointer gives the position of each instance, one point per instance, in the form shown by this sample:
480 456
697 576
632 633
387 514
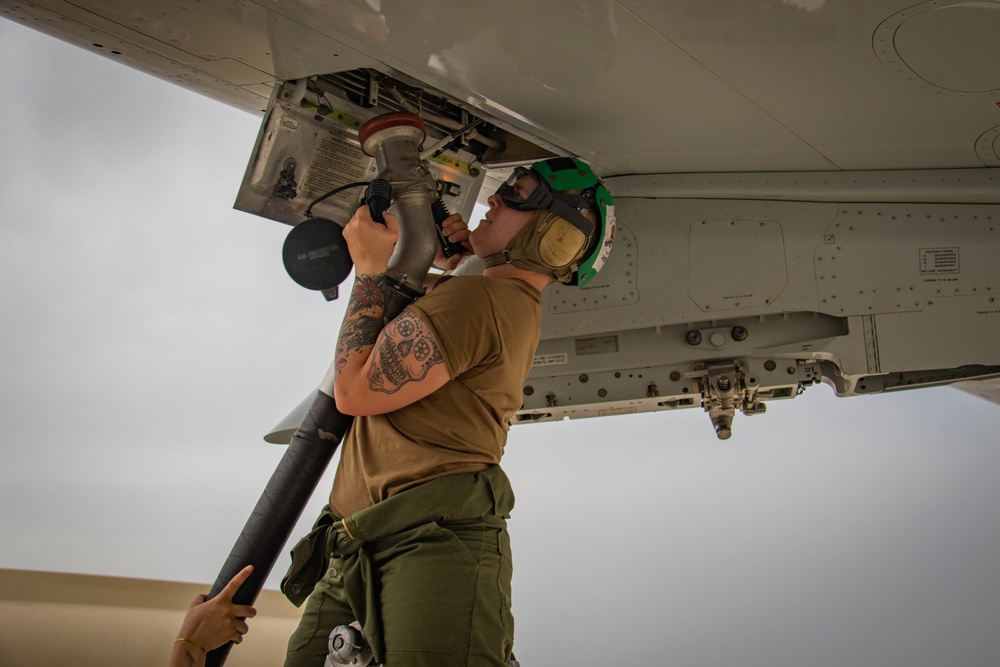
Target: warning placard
335 162
937 261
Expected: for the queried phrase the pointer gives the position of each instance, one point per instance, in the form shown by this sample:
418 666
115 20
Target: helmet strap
502 257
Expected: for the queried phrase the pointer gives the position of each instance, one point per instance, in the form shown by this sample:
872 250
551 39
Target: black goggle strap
537 200
568 207
544 198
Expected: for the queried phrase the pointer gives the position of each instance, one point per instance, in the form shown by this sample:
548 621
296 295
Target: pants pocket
324 609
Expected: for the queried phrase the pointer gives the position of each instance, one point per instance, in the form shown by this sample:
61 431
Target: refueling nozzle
315 253
394 141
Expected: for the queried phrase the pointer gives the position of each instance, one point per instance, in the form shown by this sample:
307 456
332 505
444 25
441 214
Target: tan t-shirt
487 329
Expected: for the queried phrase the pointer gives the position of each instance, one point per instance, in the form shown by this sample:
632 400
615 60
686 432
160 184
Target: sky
150 338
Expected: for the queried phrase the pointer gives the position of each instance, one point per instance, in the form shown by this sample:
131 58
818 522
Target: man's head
556 218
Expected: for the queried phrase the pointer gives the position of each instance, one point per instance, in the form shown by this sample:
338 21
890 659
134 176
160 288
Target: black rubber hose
285 496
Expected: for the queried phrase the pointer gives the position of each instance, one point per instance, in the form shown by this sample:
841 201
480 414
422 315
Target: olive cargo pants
426 572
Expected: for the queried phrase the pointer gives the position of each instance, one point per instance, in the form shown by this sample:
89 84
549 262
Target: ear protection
559 243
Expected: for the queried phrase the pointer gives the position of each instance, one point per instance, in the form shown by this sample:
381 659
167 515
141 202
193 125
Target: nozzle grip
440 212
378 196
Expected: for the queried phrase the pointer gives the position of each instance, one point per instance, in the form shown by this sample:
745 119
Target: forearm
360 329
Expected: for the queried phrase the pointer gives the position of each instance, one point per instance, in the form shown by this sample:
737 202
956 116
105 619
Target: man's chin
474 245
483 253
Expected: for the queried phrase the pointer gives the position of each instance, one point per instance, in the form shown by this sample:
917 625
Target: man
416 530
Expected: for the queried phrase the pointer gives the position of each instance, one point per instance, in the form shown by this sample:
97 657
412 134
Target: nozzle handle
378 195
440 212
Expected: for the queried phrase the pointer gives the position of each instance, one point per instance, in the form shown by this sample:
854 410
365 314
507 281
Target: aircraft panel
815 69
679 279
954 331
634 86
893 258
502 63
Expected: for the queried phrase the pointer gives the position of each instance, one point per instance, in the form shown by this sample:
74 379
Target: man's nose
494 201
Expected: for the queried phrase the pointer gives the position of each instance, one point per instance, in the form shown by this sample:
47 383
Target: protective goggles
526 190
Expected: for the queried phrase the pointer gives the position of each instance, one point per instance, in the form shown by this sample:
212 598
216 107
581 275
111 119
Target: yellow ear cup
561 243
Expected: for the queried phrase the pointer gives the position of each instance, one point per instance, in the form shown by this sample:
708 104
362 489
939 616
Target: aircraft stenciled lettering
550 360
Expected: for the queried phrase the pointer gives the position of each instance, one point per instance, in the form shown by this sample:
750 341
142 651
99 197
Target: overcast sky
150 338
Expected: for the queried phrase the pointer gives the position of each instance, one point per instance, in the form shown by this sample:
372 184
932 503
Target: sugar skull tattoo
407 351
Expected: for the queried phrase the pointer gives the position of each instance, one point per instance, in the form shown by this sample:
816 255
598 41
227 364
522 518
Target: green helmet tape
602 249
565 173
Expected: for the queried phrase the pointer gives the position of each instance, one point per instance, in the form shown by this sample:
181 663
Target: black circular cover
315 254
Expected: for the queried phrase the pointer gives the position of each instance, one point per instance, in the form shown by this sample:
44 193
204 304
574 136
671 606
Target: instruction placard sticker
938 261
335 162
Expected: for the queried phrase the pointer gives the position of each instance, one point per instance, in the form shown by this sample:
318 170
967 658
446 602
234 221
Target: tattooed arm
379 370
361 326
401 366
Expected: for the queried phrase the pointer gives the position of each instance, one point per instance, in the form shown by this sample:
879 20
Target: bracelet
193 642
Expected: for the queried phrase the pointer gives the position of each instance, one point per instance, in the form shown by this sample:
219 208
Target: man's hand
370 243
456 231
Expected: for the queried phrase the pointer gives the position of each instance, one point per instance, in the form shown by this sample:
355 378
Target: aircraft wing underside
805 190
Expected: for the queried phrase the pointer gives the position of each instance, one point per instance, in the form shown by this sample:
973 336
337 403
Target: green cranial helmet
571 234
